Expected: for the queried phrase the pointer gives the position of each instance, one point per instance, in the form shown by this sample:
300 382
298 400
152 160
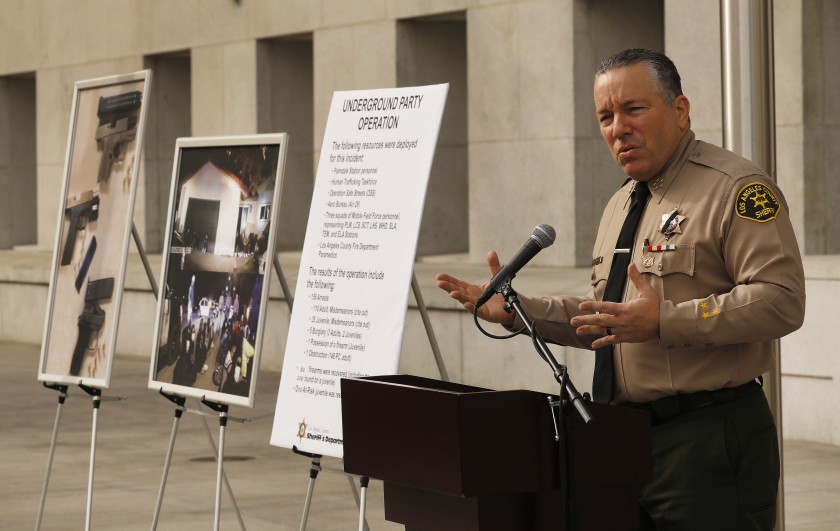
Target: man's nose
621 125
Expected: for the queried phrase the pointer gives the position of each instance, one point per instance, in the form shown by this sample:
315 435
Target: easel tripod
315 467
96 396
180 407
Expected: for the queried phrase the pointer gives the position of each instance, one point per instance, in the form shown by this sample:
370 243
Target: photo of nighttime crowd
217 261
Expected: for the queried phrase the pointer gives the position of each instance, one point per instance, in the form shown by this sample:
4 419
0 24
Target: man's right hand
467 294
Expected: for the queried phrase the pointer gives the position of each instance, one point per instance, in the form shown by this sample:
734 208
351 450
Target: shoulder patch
757 202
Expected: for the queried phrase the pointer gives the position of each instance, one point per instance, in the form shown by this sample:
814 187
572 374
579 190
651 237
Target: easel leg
96 395
224 477
283 284
427 323
145 259
363 487
356 497
179 410
220 463
220 472
62 396
220 460
313 475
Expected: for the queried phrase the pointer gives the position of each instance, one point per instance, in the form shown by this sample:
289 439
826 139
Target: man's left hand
634 321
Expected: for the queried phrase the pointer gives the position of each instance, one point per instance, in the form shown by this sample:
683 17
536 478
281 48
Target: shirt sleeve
761 257
551 317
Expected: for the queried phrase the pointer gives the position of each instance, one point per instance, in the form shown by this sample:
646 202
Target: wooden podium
461 458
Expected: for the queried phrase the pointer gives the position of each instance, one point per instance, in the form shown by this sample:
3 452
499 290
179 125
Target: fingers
464 298
597 324
466 292
493 262
610 337
450 283
458 289
447 282
603 307
638 279
595 330
633 321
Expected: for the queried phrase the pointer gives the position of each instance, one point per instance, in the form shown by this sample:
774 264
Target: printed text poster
356 266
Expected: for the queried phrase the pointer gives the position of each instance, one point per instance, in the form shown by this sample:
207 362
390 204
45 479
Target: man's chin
636 173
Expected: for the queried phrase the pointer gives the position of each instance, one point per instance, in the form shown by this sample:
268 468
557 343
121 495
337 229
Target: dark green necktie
602 382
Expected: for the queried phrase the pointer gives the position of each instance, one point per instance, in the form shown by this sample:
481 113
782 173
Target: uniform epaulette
720 159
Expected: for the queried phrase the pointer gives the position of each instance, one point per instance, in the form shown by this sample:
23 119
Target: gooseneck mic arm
560 372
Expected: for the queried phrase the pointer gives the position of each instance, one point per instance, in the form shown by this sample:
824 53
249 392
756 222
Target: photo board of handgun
218 256
93 235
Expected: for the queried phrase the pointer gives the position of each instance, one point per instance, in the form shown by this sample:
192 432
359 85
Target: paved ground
269 483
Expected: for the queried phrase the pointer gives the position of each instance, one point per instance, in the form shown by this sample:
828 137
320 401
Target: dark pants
714 469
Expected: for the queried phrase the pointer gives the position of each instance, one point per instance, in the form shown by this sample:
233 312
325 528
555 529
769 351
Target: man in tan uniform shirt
715 277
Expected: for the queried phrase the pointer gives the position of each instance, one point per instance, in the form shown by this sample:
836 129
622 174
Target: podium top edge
430 384
410 380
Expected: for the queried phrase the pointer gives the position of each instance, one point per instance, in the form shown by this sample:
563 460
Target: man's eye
605 119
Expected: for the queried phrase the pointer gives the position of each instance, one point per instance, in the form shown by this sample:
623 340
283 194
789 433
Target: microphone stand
568 390
568 393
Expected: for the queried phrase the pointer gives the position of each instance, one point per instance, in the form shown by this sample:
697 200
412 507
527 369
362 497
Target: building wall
519 144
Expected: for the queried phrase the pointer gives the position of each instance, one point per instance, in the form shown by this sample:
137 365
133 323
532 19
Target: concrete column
600 30
169 117
821 146
790 128
224 89
361 56
692 41
20 36
520 122
285 94
431 52
54 99
17 161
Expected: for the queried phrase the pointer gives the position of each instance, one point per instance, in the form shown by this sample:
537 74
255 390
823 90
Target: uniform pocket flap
667 262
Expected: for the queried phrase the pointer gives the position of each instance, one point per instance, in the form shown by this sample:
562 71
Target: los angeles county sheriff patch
756 202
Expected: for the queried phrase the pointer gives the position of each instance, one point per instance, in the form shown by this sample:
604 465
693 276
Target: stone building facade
519 143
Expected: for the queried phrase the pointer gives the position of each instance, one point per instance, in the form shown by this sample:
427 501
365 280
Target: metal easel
97 398
180 407
62 396
315 467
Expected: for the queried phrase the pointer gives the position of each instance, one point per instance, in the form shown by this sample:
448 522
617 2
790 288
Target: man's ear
682 107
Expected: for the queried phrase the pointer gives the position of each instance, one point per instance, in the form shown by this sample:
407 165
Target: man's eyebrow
623 105
633 102
602 110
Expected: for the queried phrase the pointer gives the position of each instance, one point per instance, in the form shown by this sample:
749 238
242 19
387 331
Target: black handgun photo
91 319
83 210
117 127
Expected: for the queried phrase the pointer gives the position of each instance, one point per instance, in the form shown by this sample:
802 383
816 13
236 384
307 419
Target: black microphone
542 237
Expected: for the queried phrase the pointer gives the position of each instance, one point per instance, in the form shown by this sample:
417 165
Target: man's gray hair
662 68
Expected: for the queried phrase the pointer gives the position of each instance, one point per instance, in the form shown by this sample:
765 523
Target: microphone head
544 235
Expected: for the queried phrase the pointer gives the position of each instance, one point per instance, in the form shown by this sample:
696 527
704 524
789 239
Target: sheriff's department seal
757 202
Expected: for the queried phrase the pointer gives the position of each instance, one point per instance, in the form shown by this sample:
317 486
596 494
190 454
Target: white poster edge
79 86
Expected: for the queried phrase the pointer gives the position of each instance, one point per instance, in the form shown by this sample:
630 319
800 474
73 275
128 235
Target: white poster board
104 148
223 218
355 270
